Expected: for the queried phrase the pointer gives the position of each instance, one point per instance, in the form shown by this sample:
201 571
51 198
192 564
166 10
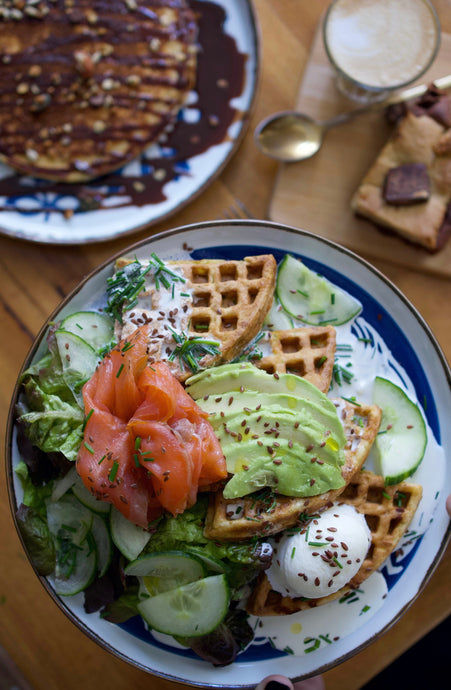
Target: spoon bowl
289 136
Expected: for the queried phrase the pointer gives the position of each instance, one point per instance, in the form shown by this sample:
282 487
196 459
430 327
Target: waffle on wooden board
87 86
229 302
408 187
388 511
235 519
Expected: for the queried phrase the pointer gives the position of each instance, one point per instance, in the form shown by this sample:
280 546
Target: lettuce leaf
52 418
34 496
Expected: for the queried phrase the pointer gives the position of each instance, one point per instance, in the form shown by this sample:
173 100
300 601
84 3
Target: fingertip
275 682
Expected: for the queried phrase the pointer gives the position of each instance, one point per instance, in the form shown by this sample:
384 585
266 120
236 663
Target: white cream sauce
165 309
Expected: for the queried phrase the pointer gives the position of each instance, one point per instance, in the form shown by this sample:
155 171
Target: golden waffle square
307 351
87 86
388 511
416 140
235 519
228 303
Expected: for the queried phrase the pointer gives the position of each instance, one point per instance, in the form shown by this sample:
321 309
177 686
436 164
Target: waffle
426 220
388 511
88 85
228 304
264 514
308 352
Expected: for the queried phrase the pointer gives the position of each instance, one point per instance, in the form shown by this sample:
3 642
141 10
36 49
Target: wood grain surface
40 645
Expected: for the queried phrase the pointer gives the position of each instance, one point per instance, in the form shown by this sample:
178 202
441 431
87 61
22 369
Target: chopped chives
119 371
89 448
88 417
352 400
113 471
69 528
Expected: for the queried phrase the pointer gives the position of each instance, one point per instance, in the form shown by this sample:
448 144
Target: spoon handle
415 91
406 95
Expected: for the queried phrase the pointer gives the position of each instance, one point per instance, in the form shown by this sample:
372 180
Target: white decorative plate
393 337
166 177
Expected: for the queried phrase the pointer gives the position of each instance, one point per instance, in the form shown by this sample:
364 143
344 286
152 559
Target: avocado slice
229 378
220 407
278 430
272 425
287 470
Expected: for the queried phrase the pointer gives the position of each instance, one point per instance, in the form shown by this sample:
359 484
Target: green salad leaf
37 538
34 496
53 420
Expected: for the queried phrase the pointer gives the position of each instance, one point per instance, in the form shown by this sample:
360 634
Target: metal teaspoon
290 136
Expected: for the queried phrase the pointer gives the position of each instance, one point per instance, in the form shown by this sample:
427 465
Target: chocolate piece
434 103
407 184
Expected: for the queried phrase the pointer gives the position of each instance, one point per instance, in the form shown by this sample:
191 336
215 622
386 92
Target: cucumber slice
402 438
103 543
70 524
128 537
277 319
311 298
85 496
189 611
83 568
63 484
95 328
78 359
165 570
69 518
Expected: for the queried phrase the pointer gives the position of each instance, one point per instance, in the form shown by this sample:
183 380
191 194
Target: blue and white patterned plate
166 177
393 338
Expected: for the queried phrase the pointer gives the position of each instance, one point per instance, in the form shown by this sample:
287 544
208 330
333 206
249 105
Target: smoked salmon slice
147 445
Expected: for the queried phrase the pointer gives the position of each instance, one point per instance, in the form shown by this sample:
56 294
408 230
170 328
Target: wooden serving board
315 194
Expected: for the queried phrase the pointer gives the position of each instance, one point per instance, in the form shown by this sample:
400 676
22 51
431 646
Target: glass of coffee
378 46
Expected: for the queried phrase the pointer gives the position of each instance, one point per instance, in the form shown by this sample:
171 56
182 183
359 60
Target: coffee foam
381 43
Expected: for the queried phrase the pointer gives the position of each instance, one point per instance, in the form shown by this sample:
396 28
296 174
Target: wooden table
38 641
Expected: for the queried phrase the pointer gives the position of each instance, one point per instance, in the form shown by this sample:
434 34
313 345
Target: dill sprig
163 274
124 287
191 349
